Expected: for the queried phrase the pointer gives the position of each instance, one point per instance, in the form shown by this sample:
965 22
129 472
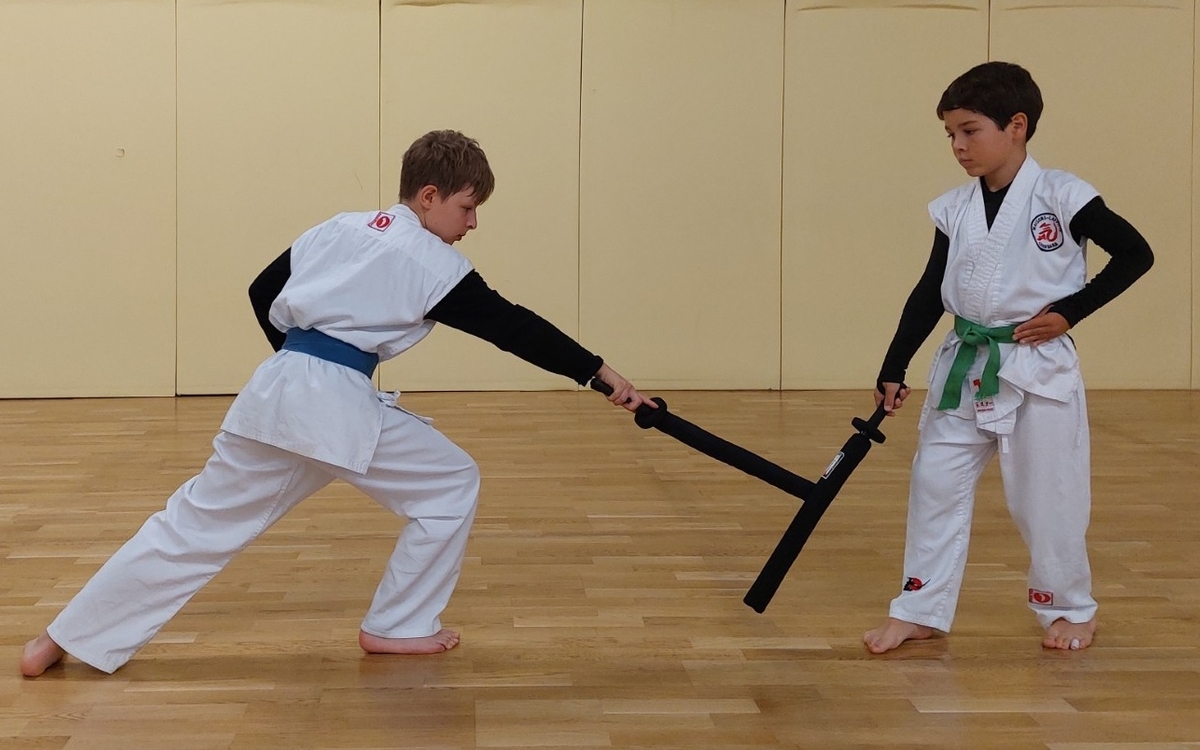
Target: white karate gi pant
1045 466
245 487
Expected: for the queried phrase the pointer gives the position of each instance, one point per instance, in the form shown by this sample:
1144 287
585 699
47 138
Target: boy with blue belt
355 290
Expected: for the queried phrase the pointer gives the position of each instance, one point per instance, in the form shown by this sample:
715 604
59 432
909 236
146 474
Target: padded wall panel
507 74
680 185
87 184
278 130
864 153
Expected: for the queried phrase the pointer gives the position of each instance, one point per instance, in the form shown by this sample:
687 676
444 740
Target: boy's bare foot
40 654
1069 636
443 640
894 632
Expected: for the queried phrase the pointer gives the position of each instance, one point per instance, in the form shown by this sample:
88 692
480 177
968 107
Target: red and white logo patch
381 222
1047 232
1041 597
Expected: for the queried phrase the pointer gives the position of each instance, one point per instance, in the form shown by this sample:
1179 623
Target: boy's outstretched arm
475 308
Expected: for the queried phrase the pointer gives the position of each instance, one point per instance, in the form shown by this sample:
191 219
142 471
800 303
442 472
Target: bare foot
894 632
443 640
40 654
1069 636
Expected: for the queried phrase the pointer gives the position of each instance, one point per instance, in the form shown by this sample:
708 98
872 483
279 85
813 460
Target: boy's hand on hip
1040 328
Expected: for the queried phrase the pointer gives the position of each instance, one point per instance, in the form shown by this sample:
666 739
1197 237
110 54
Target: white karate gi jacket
367 279
1006 276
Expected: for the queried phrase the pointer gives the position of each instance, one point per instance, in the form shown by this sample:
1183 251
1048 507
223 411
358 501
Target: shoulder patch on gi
381 222
1047 232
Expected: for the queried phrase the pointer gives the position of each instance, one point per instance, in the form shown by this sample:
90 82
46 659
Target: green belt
974 336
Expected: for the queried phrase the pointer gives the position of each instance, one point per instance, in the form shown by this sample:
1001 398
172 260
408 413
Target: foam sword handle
806 519
710 445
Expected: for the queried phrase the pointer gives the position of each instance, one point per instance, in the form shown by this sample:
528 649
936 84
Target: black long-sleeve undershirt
475 308
1130 258
472 307
263 291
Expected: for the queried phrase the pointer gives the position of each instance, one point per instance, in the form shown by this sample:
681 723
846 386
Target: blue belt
312 342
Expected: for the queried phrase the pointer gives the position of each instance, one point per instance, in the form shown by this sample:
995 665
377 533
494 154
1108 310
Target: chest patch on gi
1047 232
381 222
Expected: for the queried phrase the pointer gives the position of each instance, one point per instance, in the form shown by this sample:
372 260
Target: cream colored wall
710 193
680 190
1119 114
864 153
87 198
278 130
507 74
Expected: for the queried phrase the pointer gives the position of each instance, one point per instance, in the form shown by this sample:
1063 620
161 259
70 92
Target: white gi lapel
977 268
988 248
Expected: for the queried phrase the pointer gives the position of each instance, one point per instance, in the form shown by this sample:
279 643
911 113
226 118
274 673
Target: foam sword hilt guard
645 417
870 427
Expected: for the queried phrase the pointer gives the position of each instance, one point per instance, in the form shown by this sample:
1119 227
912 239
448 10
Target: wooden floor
600 603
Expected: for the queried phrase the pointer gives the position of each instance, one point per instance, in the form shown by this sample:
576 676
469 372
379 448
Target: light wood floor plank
600 601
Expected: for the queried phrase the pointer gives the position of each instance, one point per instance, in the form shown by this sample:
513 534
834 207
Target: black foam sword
816 495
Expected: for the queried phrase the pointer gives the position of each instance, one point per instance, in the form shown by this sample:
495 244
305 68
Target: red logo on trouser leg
914 584
1041 597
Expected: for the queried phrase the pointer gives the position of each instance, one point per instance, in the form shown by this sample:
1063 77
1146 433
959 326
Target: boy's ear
1019 123
426 195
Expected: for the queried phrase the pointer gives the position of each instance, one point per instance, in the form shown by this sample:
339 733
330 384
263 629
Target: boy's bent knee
466 476
470 482
471 474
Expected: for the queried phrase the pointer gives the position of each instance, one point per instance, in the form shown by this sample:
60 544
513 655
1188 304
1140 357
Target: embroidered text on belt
974 336
312 342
